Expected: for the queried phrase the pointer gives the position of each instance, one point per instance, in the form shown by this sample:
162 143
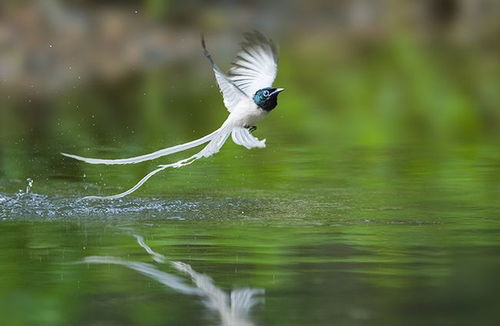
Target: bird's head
267 98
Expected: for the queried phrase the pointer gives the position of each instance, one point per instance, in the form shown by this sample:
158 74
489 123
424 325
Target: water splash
24 205
233 308
29 185
32 205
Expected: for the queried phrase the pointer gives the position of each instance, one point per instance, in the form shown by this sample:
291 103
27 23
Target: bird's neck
267 105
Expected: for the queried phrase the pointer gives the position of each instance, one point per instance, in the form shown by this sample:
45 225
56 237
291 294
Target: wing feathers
231 94
255 66
242 136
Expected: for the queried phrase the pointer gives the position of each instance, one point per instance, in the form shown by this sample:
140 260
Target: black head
267 98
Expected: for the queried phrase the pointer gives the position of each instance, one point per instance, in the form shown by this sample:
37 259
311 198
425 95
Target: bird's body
247 95
246 114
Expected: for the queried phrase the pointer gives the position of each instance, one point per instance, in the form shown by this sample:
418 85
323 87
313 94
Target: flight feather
255 66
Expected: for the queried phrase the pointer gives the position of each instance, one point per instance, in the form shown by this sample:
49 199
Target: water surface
407 234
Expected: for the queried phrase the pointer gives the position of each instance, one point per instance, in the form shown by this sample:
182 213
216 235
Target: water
403 234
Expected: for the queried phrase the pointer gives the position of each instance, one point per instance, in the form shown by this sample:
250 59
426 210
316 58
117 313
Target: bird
247 94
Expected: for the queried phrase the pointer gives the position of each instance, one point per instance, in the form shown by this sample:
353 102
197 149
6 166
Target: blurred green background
118 78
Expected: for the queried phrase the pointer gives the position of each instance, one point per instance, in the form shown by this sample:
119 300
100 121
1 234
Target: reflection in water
233 308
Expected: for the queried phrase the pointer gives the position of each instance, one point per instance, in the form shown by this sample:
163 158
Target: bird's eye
266 93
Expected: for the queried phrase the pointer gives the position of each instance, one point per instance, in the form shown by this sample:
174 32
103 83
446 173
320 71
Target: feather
242 136
256 65
218 139
254 68
231 94
145 157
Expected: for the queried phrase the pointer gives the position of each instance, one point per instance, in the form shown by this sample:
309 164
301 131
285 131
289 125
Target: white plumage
254 68
256 65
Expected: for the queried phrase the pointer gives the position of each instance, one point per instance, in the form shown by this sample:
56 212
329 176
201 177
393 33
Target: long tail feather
216 143
146 157
217 140
145 178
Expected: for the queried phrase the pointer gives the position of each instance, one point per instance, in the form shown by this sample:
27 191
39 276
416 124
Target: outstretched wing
242 136
256 65
231 94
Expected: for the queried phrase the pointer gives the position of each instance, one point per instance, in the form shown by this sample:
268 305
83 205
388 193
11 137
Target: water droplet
29 185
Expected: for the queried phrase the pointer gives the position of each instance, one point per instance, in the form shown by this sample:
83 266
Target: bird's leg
251 128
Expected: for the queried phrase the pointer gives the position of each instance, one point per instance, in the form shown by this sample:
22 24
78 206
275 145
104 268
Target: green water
375 202
325 235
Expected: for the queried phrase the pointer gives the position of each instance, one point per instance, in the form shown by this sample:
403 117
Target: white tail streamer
144 179
216 140
146 157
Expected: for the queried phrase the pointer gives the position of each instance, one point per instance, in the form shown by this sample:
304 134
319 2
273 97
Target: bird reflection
233 308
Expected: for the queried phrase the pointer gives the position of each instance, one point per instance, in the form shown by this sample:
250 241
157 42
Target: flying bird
248 96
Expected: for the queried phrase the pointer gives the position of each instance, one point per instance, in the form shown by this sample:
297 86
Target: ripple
39 206
32 205
192 207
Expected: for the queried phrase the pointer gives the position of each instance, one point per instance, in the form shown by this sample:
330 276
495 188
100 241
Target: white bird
248 96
